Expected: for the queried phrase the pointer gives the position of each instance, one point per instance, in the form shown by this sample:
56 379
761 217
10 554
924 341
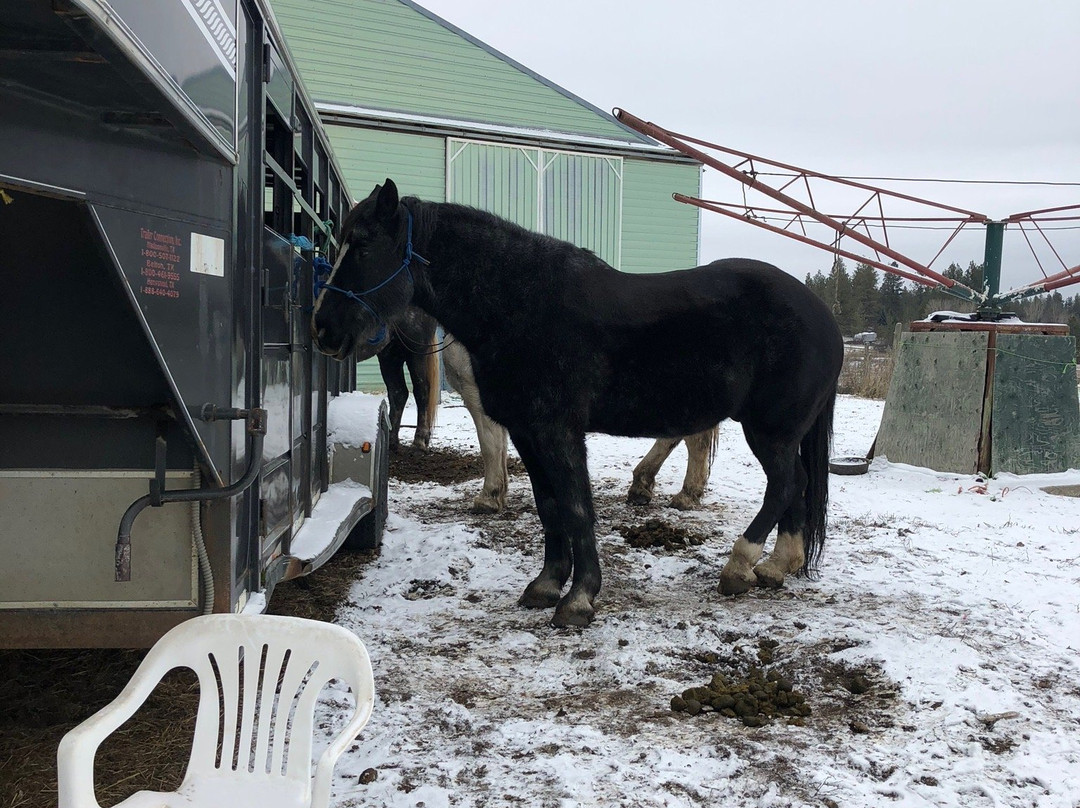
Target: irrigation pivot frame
858 226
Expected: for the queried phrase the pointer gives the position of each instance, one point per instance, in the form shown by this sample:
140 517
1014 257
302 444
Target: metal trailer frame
165 186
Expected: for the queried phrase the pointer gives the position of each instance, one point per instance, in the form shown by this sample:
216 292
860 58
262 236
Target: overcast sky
967 89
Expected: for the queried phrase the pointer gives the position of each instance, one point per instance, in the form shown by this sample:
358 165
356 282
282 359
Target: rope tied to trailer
357 297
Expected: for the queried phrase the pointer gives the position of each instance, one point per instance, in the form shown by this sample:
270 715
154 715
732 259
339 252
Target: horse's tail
714 442
814 451
431 373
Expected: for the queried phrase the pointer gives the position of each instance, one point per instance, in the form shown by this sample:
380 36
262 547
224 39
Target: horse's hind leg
700 448
788 556
641 489
786 481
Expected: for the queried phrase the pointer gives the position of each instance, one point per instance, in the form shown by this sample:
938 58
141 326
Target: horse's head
372 281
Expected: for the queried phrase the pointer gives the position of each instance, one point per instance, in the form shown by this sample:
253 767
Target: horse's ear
386 204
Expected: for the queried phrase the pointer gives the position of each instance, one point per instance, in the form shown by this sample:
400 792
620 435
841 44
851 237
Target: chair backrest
259 679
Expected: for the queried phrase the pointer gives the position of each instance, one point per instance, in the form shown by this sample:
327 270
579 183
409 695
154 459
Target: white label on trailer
207 255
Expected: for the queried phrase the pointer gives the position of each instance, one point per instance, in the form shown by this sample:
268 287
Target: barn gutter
256 430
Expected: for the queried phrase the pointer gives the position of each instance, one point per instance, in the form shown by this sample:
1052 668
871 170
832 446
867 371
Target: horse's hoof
540 595
769 575
485 505
736 584
638 495
684 502
420 443
573 611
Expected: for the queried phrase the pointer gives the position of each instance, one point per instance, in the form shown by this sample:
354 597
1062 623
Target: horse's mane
425 217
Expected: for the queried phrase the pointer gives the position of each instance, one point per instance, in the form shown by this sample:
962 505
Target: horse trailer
166 193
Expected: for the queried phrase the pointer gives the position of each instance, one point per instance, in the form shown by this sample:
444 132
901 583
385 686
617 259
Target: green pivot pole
991 307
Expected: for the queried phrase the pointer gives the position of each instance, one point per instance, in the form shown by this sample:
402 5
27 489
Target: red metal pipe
1016 217
973 215
690 200
951 219
664 136
1066 278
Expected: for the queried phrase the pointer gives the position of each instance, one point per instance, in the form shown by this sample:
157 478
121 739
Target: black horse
562 344
409 342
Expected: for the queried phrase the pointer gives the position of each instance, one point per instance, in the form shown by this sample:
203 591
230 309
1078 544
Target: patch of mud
658 533
426 590
443 466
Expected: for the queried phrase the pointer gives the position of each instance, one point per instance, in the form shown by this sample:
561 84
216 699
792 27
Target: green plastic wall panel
368 377
933 410
1036 421
582 201
658 233
503 180
571 196
416 163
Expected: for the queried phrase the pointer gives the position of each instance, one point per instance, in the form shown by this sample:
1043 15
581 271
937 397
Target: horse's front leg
391 366
492 437
559 473
426 394
492 498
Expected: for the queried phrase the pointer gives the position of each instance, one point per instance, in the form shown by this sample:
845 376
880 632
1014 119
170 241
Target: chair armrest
324 770
78 748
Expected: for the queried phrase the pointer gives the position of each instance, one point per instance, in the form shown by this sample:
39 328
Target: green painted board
933 411
1036 422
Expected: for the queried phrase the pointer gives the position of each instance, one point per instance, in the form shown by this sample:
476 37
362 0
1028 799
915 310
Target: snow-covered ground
957 600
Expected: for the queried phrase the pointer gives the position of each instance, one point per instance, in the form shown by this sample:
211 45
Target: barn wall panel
416 163
658 233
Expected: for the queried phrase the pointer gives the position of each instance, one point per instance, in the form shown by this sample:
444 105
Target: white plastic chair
259 680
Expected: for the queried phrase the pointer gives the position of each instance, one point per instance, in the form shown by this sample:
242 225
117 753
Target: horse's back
736 338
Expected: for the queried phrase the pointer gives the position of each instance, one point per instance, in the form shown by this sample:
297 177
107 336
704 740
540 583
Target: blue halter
322 269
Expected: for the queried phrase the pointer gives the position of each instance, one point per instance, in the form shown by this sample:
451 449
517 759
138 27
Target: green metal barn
405 94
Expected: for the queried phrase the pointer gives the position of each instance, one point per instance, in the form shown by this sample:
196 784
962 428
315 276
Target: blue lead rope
323 268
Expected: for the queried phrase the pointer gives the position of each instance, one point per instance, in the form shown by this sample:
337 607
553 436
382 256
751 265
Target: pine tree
892 301
865 298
